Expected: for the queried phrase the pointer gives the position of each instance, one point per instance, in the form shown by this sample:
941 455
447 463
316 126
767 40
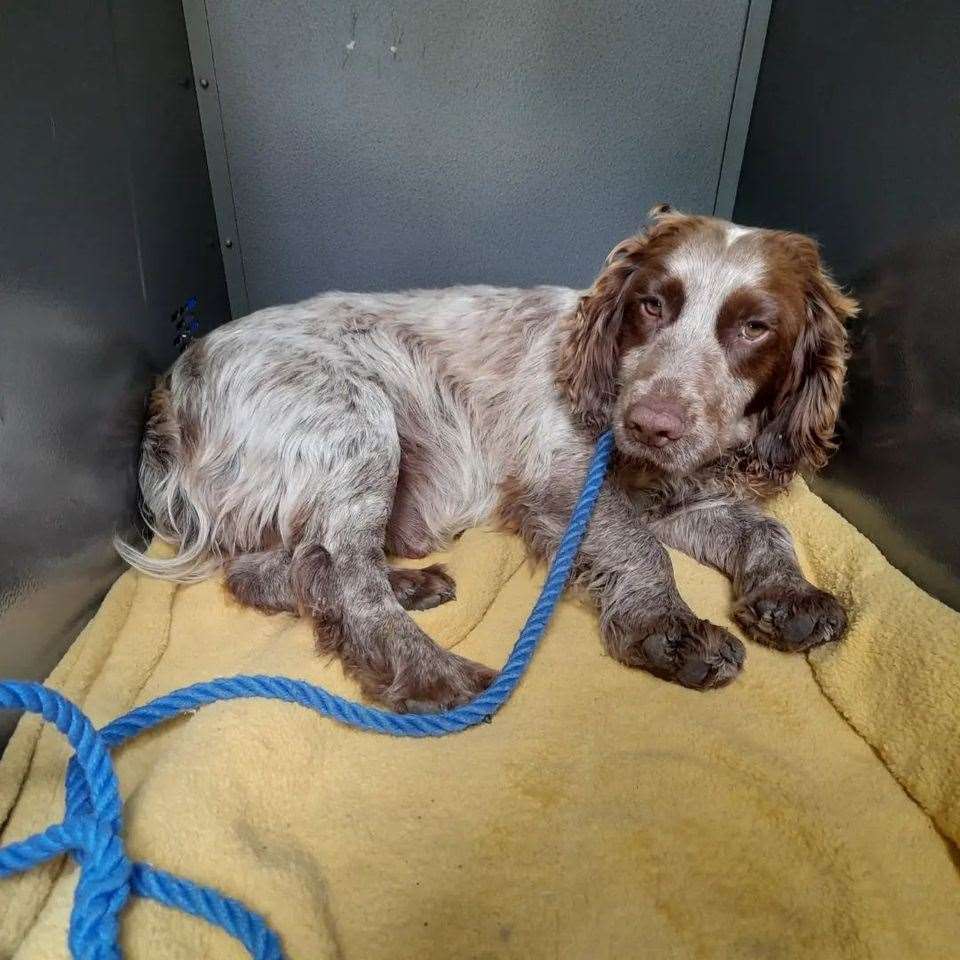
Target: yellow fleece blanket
810 810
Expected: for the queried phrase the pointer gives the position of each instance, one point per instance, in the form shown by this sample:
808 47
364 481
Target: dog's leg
345 585
644 620
775 605
340 577
342 581
262 580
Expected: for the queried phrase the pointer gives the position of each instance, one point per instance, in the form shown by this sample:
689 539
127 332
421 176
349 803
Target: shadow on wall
900 436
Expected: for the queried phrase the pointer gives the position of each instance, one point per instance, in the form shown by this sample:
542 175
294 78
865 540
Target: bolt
204 83
228 243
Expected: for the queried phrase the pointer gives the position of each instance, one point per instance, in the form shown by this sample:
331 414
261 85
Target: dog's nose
655 421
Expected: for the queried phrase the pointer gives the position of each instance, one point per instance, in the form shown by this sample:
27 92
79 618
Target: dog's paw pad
680 647
791 619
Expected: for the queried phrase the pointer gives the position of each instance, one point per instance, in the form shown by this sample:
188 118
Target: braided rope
93 822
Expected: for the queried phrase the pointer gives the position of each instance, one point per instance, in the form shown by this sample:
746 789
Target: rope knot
102 889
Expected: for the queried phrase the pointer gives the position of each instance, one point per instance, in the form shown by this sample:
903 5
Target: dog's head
701 337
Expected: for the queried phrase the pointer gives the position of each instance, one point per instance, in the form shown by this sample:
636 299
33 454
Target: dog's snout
656 421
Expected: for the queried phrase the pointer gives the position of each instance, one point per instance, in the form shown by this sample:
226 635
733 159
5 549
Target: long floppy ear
799 433
590 352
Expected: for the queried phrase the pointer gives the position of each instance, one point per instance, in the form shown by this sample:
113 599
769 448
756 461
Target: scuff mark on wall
351 44
397 40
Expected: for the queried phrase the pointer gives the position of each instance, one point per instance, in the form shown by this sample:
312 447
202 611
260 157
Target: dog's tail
189 565
167 511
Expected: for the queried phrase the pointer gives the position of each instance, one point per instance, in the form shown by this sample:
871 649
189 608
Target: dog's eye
651 307
754 330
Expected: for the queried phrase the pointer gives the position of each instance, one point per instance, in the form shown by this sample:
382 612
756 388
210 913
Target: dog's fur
299 447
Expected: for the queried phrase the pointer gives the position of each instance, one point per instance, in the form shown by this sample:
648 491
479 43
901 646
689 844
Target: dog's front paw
679 647
791 618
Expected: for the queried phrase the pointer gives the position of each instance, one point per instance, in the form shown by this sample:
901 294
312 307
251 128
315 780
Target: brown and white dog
301 446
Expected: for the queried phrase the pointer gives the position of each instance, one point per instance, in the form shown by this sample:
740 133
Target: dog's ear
659 211
798 432
590 352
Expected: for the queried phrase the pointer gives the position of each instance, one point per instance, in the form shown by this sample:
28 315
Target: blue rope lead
92 825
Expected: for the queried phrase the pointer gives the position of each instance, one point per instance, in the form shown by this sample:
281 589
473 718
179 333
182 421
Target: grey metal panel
208 99
855 137
402 144
107 226
751 56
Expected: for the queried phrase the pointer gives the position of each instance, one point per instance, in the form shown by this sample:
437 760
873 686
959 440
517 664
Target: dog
300 447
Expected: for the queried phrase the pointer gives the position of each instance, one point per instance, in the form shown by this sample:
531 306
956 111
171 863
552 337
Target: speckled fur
299 446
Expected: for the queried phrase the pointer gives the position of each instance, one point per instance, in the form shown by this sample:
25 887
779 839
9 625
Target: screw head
228 243
204 83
